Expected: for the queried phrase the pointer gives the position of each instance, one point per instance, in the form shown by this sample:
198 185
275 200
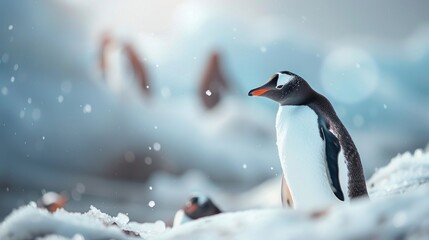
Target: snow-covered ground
63 129
398 209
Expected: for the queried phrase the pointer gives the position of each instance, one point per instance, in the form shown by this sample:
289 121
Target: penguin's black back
328 116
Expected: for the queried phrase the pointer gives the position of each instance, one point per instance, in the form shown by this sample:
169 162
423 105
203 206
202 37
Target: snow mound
404 173
398 209
397 218
30 222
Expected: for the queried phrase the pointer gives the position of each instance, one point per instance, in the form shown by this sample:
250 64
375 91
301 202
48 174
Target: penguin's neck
302 156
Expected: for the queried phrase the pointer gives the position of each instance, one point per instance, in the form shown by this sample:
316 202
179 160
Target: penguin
198 206
52 201
321 165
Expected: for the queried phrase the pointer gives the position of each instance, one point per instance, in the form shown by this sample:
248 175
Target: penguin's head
286 88
200 206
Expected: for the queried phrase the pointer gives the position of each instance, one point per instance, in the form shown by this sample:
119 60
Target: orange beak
258 91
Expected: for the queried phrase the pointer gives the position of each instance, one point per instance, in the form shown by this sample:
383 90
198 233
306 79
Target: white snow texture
398 209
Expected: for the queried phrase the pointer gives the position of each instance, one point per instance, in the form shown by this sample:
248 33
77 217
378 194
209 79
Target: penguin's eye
279 86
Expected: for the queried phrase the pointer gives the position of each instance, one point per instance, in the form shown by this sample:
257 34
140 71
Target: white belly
302 156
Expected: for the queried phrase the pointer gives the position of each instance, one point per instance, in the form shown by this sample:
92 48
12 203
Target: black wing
332 149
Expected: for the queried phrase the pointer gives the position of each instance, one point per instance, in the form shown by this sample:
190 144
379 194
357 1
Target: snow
405 172
83 148
87 108
398 209
157 146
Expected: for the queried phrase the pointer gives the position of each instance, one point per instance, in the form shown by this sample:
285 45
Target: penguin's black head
285 88
200 206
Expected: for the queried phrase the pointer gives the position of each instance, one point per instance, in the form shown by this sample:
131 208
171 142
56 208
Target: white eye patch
283 79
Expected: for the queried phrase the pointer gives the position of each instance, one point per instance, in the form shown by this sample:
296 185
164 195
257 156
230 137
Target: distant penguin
52 201
320 162
213 82
198 206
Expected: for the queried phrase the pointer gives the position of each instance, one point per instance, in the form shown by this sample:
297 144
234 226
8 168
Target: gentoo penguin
213 82
320 162
198 206
52 201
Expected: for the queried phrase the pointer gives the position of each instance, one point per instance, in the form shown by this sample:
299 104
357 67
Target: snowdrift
398 209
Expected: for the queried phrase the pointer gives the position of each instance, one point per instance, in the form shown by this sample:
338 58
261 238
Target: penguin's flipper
332 149
286 195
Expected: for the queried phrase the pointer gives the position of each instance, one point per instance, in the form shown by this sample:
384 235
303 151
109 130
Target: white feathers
180 218
302 156
283 79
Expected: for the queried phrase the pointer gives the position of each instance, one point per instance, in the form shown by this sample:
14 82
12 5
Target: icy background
62 128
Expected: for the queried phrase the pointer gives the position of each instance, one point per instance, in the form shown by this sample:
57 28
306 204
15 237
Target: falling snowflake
157 146
87 108
208 93
148 160
151 204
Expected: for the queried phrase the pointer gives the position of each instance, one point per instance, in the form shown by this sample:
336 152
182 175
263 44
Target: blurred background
131 106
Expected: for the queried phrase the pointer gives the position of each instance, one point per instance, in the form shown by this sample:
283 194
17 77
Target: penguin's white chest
302 156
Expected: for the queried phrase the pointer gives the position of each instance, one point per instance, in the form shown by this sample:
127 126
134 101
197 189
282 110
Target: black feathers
332 149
